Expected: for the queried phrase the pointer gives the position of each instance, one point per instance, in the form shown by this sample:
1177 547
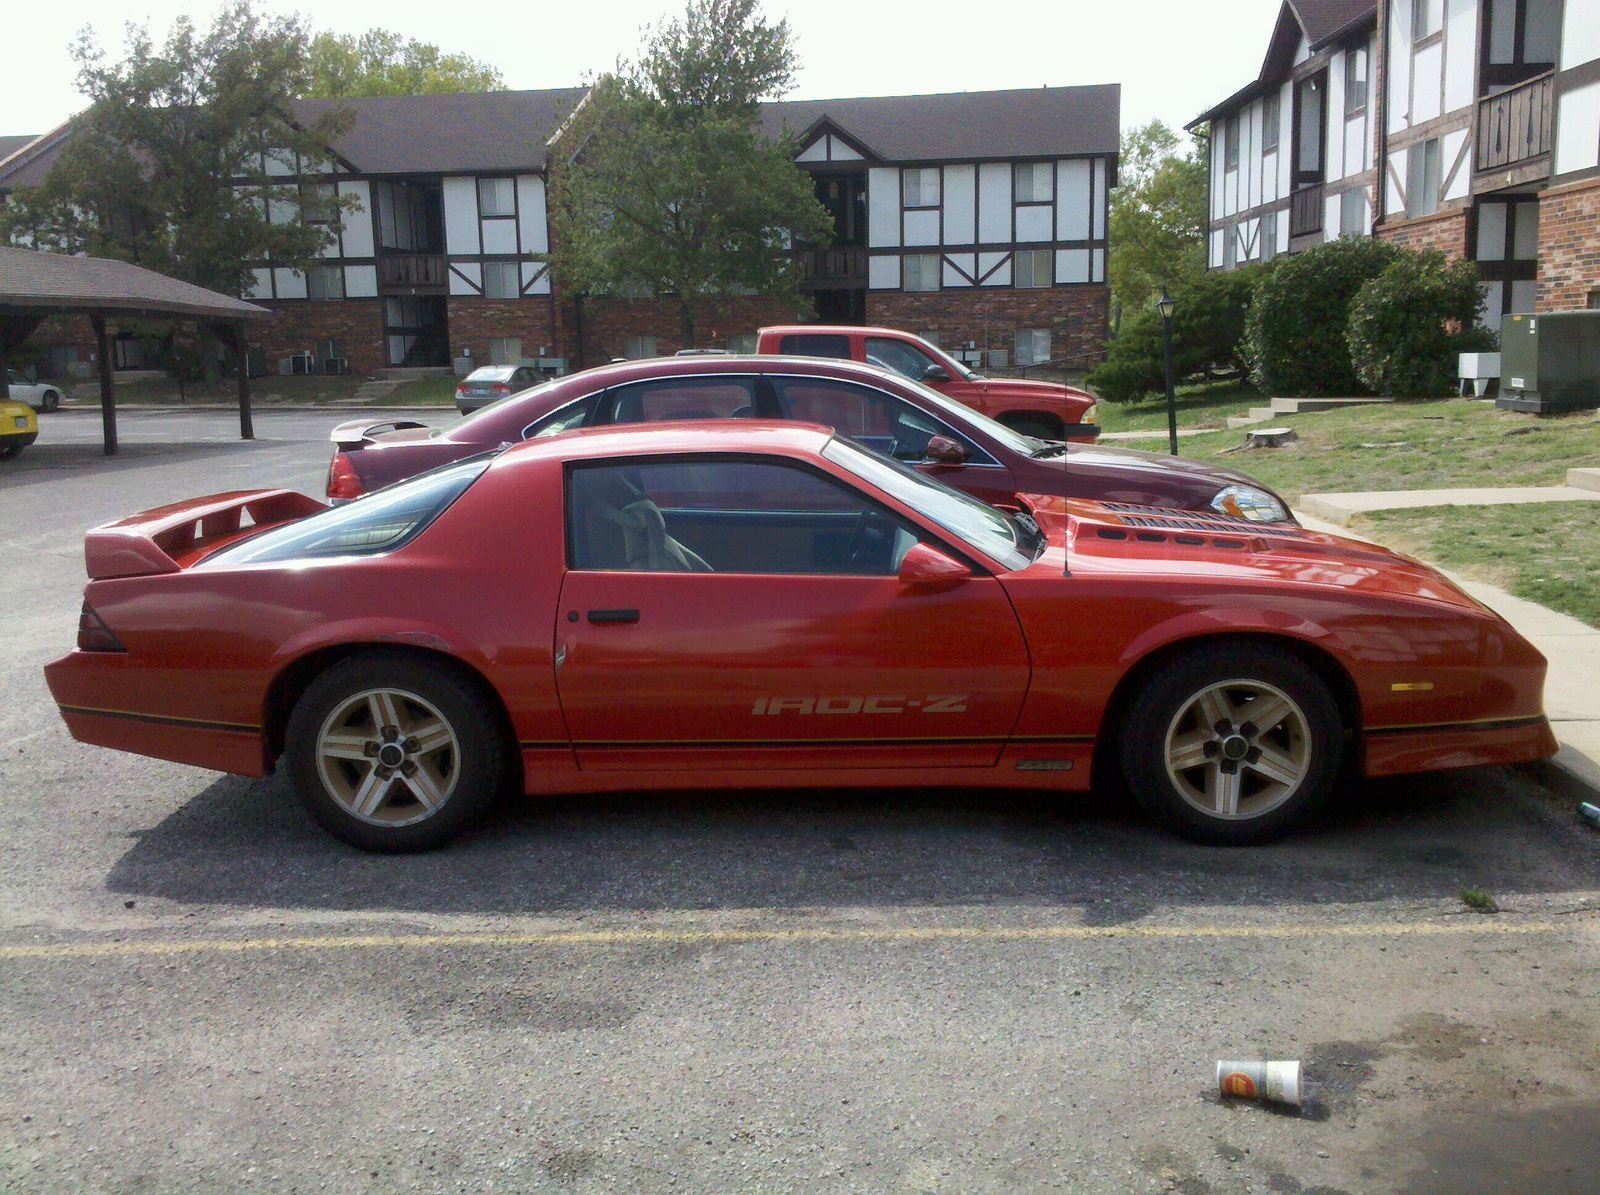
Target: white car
41 396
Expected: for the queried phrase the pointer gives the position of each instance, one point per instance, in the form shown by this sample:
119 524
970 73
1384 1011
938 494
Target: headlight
1248 502
1089 413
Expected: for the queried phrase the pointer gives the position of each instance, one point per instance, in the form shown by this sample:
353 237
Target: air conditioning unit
336 365
1550 363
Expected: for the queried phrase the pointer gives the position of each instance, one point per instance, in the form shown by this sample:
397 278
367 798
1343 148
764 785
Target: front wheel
1233 745
394 753
52 401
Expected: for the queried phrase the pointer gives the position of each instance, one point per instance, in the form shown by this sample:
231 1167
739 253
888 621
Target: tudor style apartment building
1468 126
977 219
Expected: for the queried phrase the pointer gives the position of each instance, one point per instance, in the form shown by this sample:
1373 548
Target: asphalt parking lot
924 992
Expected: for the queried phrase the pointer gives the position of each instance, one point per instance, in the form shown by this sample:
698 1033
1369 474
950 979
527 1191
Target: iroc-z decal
934 703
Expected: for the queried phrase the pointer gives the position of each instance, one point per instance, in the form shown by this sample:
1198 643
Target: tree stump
1270 437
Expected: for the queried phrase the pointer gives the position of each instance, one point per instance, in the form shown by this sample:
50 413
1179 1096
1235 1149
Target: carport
35 286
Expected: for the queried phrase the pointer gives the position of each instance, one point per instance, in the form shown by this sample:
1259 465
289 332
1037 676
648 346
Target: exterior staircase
1297 406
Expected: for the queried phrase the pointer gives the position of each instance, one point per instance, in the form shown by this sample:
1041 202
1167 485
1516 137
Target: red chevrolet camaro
734 603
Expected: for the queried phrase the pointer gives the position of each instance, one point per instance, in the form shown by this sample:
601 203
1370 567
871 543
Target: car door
896 428
738 612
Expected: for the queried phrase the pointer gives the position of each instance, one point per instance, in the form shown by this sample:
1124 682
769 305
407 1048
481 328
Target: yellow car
19 427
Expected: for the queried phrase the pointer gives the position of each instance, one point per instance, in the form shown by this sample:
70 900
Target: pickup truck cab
1046 410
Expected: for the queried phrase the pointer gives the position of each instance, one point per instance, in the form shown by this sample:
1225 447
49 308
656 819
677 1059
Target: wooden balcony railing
413 270
1514 125
833 267
1305 210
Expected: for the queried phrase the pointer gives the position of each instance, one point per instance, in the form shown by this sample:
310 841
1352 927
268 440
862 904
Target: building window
505 350
743 343
1032 267
1230 246
1352 212
1271 122
325 282
319 203
1269 236
920 188
1594 300
496 197
1422 178
635 348
1033 346
920 271
1355 80
1230 143
1427 18
1035 182
501 280
931 336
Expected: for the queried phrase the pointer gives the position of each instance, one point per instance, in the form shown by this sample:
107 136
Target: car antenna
1066 510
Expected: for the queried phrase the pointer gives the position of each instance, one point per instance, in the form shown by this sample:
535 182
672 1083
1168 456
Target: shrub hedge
1207 329
1408 324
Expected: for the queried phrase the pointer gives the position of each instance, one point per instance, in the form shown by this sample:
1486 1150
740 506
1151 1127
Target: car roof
837 330
493 371
785 437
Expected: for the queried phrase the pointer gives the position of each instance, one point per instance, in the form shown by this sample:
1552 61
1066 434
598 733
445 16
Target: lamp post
1166 305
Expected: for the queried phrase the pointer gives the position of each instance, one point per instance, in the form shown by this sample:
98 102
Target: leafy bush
1295 332
1207 328
1407 325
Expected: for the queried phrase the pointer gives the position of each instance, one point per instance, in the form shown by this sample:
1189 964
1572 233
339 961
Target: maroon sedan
892 414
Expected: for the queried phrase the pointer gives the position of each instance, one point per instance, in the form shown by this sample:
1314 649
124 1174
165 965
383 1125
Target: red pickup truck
1047 410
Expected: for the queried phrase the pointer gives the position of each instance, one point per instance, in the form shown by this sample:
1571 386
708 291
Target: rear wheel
394 753
1233 744
9 449
52 401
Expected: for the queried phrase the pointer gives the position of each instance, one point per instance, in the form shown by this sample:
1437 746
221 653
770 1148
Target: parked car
490 383
1047 410
41 396
903 418
733 603
19 427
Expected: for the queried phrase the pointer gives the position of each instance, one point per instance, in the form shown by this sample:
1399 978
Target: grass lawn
424 392
311 390
1412 446
1546 552
1198 406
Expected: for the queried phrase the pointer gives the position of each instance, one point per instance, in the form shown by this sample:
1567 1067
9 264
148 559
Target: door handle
613 616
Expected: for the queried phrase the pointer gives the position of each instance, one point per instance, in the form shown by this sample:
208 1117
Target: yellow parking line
1465 925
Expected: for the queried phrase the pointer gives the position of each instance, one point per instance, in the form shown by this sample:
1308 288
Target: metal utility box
1550 363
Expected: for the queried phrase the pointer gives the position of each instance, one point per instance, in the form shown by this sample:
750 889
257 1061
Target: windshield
379 522
962 415
990 531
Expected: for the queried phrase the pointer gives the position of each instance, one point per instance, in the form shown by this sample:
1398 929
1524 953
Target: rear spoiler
170 538
357 432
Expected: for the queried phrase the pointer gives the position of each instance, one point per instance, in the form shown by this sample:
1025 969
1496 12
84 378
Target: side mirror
936 373
930 570
942 450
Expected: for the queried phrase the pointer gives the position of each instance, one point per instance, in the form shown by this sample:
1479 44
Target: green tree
1408 324
1207 331
1295 334
665 183
1158 215
378 62
166 167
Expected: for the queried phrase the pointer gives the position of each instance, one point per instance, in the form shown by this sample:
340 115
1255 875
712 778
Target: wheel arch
1329 669
292 680
1016 418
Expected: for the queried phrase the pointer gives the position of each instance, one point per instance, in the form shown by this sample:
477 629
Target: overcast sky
1173 57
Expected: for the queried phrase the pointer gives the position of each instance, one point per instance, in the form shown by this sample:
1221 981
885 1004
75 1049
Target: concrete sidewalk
1583 485
1572 686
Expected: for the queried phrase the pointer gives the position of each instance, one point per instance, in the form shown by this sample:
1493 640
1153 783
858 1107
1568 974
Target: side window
815 345
726 515
702 397
881 422
907 360
562 419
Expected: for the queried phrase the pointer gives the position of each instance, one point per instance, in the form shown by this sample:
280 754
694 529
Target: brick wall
1078 316
1445 231
607 323
473 321
298 325
1569 246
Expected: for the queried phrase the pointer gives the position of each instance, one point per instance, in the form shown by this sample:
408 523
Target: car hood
1158 462
1024 388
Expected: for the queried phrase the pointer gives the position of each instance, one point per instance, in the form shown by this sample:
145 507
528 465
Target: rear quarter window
808 344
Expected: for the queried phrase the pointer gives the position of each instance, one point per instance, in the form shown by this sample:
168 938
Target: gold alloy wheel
1238 749
388 757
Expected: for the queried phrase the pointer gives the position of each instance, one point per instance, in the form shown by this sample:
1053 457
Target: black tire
463 774
1042 427
1174 711
8 451
52 401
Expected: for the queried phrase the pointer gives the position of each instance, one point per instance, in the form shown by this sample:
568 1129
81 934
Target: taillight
344 482
461 390
501 388
94 635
